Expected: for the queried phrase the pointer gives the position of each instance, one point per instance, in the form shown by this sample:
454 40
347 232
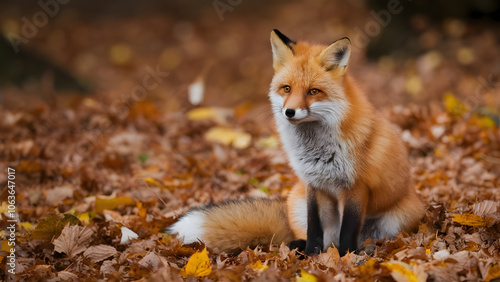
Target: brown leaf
73 240
330 258
99 252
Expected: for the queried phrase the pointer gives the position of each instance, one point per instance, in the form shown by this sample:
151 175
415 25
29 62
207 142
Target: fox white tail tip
189 227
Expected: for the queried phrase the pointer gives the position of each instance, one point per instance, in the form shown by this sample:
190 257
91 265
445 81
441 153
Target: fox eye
286 88
313 91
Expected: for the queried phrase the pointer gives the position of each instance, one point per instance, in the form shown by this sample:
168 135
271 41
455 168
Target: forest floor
98 177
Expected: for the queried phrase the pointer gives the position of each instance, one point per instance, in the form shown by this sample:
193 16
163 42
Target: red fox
353 166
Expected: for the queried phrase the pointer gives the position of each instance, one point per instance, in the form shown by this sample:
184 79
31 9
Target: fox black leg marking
314 242
351 226
300 245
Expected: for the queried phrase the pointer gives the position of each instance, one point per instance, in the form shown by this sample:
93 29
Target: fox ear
282 48
336 56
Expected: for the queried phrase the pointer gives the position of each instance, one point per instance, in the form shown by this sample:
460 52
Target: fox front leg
314 243
353 215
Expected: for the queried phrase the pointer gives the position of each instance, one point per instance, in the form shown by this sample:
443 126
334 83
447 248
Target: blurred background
60 52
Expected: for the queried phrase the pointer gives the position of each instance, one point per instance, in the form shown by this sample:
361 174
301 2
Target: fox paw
300 245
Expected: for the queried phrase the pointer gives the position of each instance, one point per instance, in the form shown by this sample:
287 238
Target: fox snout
295 115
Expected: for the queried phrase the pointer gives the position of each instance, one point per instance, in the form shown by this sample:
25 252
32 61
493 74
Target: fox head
309 80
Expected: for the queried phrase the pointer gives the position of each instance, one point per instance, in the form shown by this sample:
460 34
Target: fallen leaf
127 235
51 226
330 258
102 203
198 265
306 277
100 252
29 167
470 219
228 136
485 207
5 246
400 271
85 217
58 194
259 267
453 105
67 276
196 90
219 115
493 272
73 240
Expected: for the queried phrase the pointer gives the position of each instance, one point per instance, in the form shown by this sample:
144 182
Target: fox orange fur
353 166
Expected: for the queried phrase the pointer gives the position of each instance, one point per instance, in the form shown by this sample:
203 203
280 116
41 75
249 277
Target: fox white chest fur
315 150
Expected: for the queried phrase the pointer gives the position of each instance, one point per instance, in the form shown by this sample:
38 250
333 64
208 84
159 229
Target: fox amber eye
313 91
286 88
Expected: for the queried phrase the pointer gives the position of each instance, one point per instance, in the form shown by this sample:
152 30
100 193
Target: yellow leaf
27 225
142 210
5 246
51 226
120 53
471 219
151 181
367 269
268 142
413 85
471 246
227 136
220 115
306 277
4 208
198 265
493 272
259 267
84 218
453 105
400 271
102 204
483 121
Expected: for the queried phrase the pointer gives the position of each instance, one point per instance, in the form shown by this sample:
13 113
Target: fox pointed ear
282 48
336 56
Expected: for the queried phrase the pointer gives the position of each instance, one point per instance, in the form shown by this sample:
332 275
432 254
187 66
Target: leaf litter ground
93 198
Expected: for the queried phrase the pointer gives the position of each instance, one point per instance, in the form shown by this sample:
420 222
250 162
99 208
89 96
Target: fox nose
290 113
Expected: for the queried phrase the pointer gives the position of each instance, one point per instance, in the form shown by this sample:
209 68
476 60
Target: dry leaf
227 136
219 115
198 265
73 240
453 105
127 235
485 207
259 267
493 272
401 272
151 260
67 276
470 219
102 203
51 226
330 258
306 277
196 90
100 252
58 194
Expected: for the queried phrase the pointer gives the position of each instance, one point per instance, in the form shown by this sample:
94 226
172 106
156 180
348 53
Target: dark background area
101 49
